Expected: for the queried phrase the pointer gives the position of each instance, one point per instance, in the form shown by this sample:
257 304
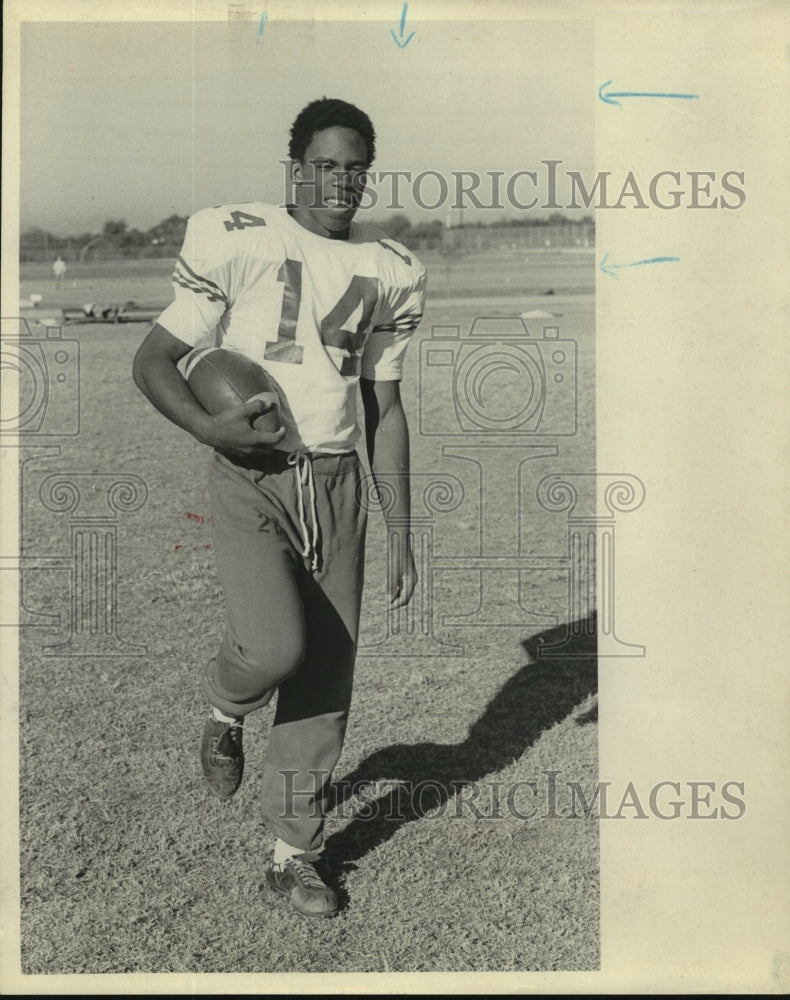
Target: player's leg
258 567
264 640
313 705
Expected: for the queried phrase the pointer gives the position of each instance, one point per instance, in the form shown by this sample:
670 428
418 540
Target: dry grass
126 863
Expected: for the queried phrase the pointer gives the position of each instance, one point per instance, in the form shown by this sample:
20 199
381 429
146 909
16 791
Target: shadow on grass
540 694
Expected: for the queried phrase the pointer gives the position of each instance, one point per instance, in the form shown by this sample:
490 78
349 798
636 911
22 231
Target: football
221 379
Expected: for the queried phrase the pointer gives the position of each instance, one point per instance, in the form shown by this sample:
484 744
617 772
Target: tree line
162 240
166 237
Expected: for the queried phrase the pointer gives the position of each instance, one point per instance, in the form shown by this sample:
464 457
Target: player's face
330 181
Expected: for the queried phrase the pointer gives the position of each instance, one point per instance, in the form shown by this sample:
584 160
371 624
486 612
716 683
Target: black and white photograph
362 426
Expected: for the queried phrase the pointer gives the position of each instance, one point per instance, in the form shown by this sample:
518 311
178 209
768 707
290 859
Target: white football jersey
316 313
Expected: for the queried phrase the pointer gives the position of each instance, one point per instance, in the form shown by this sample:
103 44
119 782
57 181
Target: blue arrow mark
610 97
399 41
261 26
612 269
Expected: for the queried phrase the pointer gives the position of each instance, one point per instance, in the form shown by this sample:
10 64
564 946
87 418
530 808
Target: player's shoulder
233 231
392 256
235 218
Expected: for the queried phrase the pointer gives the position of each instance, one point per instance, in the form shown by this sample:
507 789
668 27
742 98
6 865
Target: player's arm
387 436
156 374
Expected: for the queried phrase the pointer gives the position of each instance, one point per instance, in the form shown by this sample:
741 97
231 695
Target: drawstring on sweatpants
303 473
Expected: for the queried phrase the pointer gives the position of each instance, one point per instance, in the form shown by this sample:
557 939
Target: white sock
283 851
228 719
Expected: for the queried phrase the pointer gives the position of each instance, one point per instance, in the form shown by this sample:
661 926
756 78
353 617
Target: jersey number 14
361 291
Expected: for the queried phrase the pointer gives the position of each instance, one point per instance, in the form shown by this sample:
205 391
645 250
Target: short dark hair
328 112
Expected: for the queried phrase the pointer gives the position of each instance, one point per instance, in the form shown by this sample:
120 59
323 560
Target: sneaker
222 757
305 888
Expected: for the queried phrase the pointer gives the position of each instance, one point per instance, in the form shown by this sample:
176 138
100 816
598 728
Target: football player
327 306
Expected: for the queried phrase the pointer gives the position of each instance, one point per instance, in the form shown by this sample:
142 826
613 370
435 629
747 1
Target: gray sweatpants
290 558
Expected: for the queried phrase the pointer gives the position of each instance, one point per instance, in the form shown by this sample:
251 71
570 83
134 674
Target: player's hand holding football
245 430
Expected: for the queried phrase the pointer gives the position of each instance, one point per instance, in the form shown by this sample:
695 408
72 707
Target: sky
142 120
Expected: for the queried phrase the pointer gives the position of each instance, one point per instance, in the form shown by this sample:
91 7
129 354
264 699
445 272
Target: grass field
127 865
